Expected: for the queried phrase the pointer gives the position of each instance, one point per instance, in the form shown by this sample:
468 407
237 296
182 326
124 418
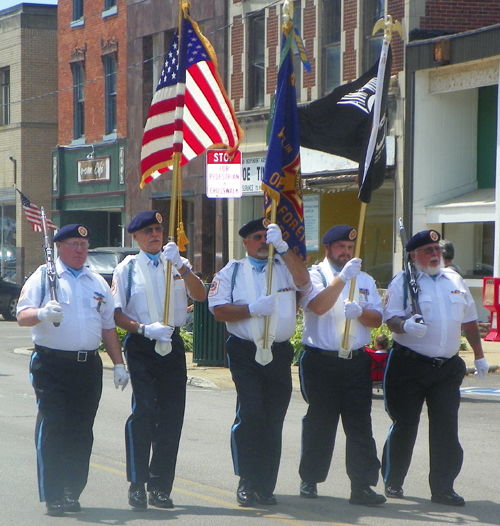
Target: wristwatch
140 329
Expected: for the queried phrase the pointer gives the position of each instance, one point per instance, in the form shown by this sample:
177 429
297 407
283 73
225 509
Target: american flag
33 214
191 111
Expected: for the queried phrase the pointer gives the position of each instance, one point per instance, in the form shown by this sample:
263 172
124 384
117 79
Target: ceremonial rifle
51 268
411 275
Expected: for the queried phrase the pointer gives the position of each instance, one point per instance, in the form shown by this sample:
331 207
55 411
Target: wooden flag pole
357 252
270 258
171 230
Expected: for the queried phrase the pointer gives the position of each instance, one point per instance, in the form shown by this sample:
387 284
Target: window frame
77 10
331 42
5 96
110 94
78 72
372 44
256 80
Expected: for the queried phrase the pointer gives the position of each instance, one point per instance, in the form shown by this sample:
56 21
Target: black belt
332 354
79 356
275 345
435 362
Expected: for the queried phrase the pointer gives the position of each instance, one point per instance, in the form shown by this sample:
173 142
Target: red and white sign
224 176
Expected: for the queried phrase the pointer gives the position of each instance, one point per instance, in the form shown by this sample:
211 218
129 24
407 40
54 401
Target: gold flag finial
388 27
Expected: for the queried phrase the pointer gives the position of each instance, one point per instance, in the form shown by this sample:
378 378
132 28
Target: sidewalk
220 377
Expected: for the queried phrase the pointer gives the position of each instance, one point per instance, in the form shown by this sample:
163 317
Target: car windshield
102 262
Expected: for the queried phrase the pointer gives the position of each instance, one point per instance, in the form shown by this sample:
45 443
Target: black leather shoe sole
138 500
451 499
56 508
394 492
245 498
160 499
265 500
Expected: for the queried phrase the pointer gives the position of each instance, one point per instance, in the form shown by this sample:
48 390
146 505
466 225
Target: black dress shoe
394 492
160 499
450 498
308 490
245 494
55 508
266 499
71 503
137 496
366 497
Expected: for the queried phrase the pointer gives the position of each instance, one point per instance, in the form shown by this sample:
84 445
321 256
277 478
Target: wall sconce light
442 52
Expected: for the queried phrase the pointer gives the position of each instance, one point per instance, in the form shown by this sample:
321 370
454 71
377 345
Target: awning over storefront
474 207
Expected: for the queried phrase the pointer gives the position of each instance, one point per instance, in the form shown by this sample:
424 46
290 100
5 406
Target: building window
297 63
78 100
110 91
5 96
256 57
108 4
332 24
77 9
374 10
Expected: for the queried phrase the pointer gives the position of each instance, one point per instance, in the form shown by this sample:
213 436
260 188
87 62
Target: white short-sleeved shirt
131 298
445 303
86 301
321 331
220 294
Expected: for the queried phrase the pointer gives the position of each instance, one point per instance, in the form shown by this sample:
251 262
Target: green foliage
383 329
298 347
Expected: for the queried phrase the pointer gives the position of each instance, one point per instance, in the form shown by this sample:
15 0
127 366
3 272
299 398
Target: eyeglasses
150 229
428 251
257 237
75 244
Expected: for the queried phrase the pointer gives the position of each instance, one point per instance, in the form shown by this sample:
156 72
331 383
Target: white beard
430 270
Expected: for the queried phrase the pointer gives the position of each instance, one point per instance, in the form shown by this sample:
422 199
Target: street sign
223 176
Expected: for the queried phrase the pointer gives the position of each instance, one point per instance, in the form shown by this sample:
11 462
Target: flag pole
270 257
388 26
176 174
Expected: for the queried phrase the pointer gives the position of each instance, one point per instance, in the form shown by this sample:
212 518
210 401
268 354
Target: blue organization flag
281 181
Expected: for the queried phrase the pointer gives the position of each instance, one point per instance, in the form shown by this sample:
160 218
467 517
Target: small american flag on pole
32 213
190 111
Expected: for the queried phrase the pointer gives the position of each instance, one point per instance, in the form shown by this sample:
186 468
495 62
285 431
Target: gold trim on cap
83 231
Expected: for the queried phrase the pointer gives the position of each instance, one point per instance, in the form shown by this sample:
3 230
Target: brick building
28 128
89 181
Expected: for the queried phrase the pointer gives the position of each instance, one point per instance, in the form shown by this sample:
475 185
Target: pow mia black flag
341 123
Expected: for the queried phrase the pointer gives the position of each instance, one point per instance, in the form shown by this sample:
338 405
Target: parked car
9 295
103 260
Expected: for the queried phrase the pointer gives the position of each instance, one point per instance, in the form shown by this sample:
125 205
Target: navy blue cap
426 237
339 233
72 231
256 225
144 219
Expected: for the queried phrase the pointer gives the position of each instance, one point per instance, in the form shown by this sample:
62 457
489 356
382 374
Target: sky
9 3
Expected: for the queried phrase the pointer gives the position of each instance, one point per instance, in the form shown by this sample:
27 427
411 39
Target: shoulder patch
214 288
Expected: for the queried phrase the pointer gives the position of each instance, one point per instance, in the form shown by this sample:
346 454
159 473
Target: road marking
491 391
258 513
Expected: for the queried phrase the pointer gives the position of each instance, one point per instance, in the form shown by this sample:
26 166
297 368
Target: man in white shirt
424 365
65 368
261 372
336 382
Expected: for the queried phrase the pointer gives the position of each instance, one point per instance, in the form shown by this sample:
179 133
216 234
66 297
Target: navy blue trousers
153 430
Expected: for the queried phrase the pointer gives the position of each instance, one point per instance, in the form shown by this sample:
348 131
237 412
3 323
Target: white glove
274 236
413 328
262 307
120 376
482 367
352 310
52 312
171 253
351 269
158 331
